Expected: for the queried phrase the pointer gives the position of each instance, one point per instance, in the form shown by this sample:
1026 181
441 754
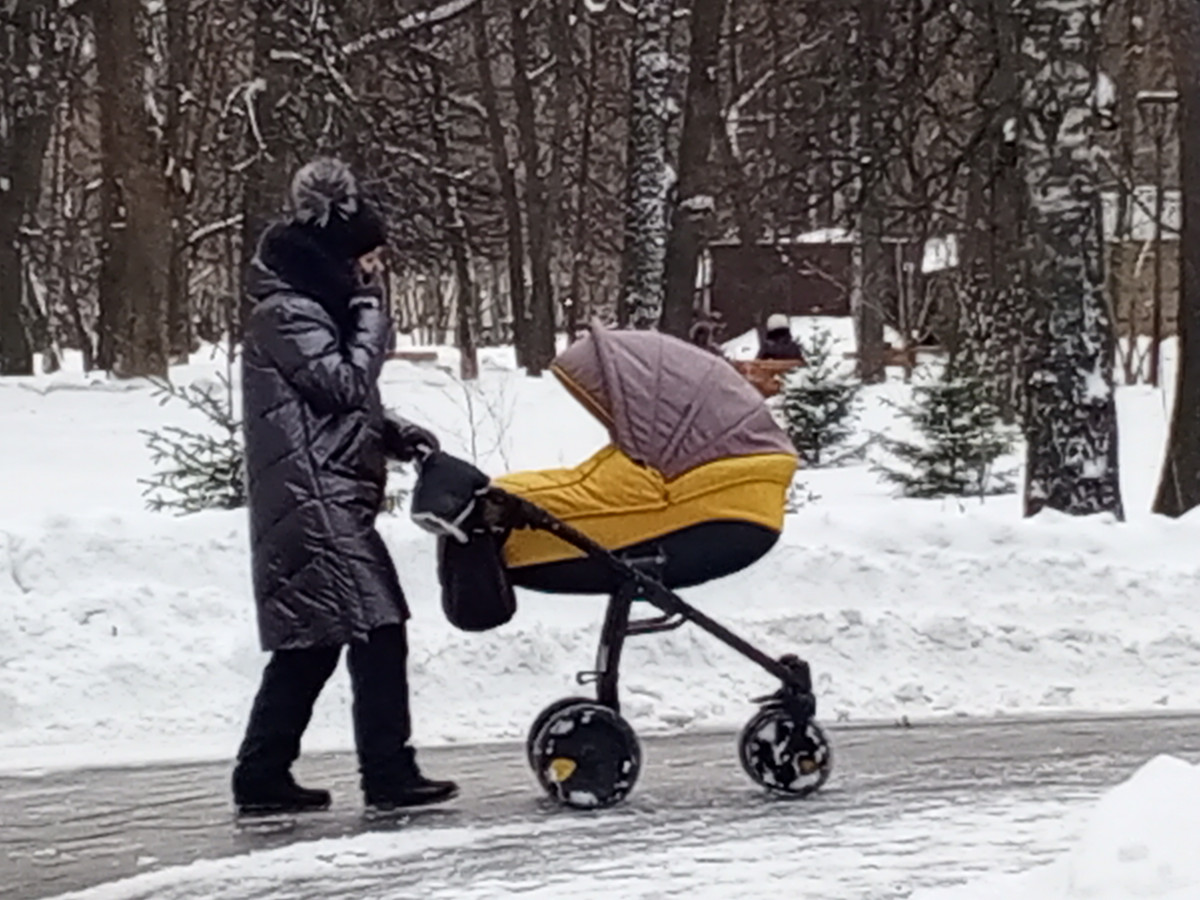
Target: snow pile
127 635
1139 844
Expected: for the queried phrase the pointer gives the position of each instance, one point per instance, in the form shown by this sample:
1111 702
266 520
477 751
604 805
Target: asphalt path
68 830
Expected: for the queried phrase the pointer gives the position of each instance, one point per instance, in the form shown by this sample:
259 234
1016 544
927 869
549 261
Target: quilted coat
315 462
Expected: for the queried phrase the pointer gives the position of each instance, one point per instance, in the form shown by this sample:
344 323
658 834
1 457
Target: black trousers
291 683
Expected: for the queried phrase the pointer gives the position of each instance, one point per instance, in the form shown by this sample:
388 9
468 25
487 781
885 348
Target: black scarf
293 254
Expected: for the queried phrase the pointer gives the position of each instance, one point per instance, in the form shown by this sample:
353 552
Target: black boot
262 780
390 777
281 794
415 791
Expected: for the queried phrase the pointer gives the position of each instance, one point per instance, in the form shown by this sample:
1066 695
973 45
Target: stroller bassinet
696 462
692 488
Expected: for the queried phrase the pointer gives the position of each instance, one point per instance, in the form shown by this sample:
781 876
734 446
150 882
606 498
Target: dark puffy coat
780 344
315 465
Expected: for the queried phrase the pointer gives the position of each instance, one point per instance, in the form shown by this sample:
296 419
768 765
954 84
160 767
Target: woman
316 444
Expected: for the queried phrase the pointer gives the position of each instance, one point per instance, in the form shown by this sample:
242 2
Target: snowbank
1139 844
126 635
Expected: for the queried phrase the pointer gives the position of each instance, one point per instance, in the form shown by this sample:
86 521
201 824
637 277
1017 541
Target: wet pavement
907 807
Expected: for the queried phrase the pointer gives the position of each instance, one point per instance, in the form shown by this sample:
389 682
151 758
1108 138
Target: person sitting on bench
778 342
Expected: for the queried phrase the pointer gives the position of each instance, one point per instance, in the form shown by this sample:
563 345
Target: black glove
404 441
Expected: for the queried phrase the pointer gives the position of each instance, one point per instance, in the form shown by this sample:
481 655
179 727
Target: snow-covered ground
128 635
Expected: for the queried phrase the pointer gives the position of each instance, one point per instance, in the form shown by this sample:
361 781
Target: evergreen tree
963 434
819 402
197 470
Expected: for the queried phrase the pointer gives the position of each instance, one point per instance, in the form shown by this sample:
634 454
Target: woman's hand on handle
406 441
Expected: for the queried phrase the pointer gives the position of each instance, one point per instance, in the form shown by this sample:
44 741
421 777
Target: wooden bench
766 374
905 358
414 355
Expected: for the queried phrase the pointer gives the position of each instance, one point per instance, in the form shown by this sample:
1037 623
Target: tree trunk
540 323
1179 487
135 223
508 183
27 86
180 172
987 329
562 42
574 300
643 264
265 192
1071 421
1127 124
16 355
691 220
455 230
868 299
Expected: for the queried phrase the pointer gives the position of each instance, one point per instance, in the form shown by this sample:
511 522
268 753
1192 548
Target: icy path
908 808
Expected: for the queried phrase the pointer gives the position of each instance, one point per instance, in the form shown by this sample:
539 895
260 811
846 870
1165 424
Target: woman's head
328 202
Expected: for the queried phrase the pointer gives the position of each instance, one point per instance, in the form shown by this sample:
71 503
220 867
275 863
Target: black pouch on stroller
476 592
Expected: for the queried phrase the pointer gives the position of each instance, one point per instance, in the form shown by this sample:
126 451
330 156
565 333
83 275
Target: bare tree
872 150
644 261
695 197
574 301
180 173
540 327
456 230
987 326
1179 486
501 163
135 222
1071 421
29 89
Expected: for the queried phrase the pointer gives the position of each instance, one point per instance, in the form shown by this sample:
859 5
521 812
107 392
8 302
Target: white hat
778 322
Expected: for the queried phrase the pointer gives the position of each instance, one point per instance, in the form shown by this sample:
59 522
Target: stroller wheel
783 753
540 722
585 755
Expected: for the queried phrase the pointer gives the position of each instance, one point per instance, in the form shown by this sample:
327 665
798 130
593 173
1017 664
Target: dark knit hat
327 200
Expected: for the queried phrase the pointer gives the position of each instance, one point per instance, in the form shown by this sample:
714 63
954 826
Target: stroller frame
584 754
637 581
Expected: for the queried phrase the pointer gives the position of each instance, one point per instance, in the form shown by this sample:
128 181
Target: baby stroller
691 489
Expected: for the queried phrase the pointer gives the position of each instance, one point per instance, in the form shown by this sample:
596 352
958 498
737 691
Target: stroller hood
666 403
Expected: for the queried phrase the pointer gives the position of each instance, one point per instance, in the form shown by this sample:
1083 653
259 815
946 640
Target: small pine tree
963 437
819 402
197 470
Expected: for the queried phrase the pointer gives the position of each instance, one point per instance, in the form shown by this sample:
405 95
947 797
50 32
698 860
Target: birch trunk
644 260
1071 422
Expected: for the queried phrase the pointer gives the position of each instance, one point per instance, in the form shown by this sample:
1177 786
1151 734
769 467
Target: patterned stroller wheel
585 756
783 753
540 722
